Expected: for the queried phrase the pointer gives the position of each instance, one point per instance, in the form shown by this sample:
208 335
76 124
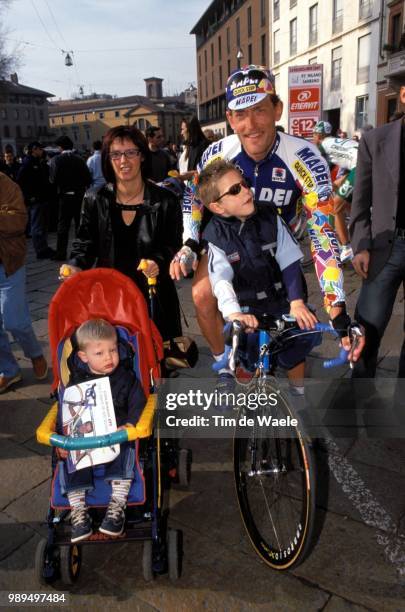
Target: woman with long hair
129 219
195 144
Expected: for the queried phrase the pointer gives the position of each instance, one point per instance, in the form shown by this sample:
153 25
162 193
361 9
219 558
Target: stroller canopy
107 294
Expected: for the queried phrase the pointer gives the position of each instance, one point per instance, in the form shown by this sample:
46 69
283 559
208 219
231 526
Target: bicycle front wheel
275 484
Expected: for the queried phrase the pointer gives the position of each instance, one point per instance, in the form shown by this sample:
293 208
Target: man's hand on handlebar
249 322
304 317
183 263
354 343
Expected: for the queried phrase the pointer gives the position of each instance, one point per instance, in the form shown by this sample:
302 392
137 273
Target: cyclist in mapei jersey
283 170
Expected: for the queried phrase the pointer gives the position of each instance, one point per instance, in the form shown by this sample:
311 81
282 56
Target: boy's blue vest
250 247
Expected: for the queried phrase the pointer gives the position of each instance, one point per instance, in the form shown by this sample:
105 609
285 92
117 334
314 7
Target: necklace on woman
130 207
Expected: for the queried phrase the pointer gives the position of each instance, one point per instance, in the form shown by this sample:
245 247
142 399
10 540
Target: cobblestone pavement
357 564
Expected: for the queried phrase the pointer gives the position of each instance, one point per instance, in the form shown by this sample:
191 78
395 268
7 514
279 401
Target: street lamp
239 56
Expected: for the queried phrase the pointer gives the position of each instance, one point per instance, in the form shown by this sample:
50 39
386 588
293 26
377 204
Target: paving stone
337 604
31 508
20 416
226 583
385 454
20 471
12 535
349 562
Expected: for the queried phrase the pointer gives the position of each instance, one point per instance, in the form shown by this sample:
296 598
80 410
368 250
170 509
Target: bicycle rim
275 485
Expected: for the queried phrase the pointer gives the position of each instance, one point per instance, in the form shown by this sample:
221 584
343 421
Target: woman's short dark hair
139 140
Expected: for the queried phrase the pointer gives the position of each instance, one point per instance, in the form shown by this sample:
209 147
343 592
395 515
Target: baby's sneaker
114 520
346 253
81 524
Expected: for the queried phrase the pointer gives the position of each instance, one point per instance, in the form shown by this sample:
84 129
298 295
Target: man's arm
360 218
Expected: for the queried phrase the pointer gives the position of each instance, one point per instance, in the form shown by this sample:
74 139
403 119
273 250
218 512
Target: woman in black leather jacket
129 219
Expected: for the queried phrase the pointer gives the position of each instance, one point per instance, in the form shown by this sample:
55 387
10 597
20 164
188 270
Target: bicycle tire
278 505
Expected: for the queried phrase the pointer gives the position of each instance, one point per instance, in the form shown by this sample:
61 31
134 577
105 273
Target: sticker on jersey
233 257
279 175
305 176
310 164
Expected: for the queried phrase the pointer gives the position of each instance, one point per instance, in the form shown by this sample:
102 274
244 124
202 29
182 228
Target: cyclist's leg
208 316
296 375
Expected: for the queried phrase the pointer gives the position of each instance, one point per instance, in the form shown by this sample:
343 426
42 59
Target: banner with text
304 98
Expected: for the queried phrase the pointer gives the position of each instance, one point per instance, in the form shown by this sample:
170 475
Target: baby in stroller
100 353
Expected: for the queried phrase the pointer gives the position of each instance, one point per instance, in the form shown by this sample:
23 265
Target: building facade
391 56
87 120
230 33
23 115
343 36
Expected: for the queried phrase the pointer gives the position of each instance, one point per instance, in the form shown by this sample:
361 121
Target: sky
115 44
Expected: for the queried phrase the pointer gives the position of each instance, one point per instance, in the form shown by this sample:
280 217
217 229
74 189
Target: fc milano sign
304 98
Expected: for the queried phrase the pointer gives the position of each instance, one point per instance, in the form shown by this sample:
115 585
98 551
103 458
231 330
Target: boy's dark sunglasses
234 189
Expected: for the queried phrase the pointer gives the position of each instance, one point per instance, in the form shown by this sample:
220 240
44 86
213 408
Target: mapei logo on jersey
213 152
279 197
312 168
233 257
279 175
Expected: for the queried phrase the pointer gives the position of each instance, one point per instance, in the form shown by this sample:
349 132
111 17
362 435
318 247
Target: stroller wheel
147 570
174 553
184 467
70 563
45 568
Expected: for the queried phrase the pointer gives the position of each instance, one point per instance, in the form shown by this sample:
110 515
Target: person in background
14 313
10 164
160 161
377 229
94 165
210 135
33 178
71 176
195 144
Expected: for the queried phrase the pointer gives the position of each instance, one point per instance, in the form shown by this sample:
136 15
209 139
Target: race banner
304 98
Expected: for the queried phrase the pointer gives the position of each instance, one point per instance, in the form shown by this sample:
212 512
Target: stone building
230 33
391 56
87 120
343 36
23 114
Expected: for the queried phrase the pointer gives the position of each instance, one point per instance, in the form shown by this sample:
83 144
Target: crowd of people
126 211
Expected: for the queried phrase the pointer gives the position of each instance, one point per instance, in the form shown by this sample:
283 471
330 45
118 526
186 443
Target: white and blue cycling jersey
296 179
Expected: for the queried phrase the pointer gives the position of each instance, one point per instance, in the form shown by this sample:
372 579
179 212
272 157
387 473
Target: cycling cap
323 127
248 86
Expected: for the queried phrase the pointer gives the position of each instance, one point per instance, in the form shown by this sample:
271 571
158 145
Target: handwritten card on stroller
87 411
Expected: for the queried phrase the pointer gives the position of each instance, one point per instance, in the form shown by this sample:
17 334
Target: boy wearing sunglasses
253 261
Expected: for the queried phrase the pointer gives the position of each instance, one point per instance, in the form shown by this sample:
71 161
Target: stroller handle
142 266
47 435
67 443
